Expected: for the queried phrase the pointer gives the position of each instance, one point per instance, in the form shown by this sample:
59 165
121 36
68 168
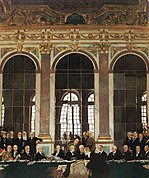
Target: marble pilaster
104 131
45 93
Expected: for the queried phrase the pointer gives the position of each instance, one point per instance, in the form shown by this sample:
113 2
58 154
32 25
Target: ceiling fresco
80 6
73 12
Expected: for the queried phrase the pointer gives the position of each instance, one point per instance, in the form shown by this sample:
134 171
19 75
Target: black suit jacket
69 156
81 156
39 156
60 155
126 156
146 155
137 157
116 156
32 144
98 164
25 156
18 142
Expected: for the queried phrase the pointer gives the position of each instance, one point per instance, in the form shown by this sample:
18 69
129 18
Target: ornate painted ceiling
73 12
80 6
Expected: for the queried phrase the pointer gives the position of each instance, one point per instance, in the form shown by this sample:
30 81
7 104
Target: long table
50 169
132 169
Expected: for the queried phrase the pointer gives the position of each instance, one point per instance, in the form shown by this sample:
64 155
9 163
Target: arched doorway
74 82
19 74
129 86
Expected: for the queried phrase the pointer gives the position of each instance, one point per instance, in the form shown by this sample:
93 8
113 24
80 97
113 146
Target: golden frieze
38 36
129 48
20 48
76 47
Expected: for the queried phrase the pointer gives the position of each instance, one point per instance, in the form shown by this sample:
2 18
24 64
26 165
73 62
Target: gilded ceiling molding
75 35
45 48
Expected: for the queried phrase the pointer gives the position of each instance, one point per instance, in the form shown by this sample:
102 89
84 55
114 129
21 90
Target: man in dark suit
40 155
81 153
126 155
137 155
115 154
146 152
4 142
70 155
26 154
128 140
141 141
15 153
32 142
97 163
135 142
58 152
18 142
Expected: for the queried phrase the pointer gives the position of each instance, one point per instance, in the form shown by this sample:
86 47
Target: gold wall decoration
89 35
129 48
45 48
19 48
103 47
76 47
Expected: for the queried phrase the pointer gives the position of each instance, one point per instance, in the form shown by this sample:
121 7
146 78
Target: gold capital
45 48
103 48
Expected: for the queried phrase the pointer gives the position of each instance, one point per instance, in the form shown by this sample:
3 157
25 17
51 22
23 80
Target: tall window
18 89
91 113
70 115
129 87
74 75
144 111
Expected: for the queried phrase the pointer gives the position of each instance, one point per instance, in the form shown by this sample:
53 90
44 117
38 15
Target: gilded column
104 124
45 50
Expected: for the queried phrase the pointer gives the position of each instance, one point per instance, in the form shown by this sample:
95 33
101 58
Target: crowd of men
20 147
23 147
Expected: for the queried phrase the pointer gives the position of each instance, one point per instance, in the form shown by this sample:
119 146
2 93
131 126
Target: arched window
74 76
129 85
18 88
144 111
69 118
91 112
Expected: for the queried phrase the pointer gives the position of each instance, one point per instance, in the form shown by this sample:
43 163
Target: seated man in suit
40 155
71 155
81 153
15 153
126 155
138 154
26 154
32 142
58 152
115 154
146 152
